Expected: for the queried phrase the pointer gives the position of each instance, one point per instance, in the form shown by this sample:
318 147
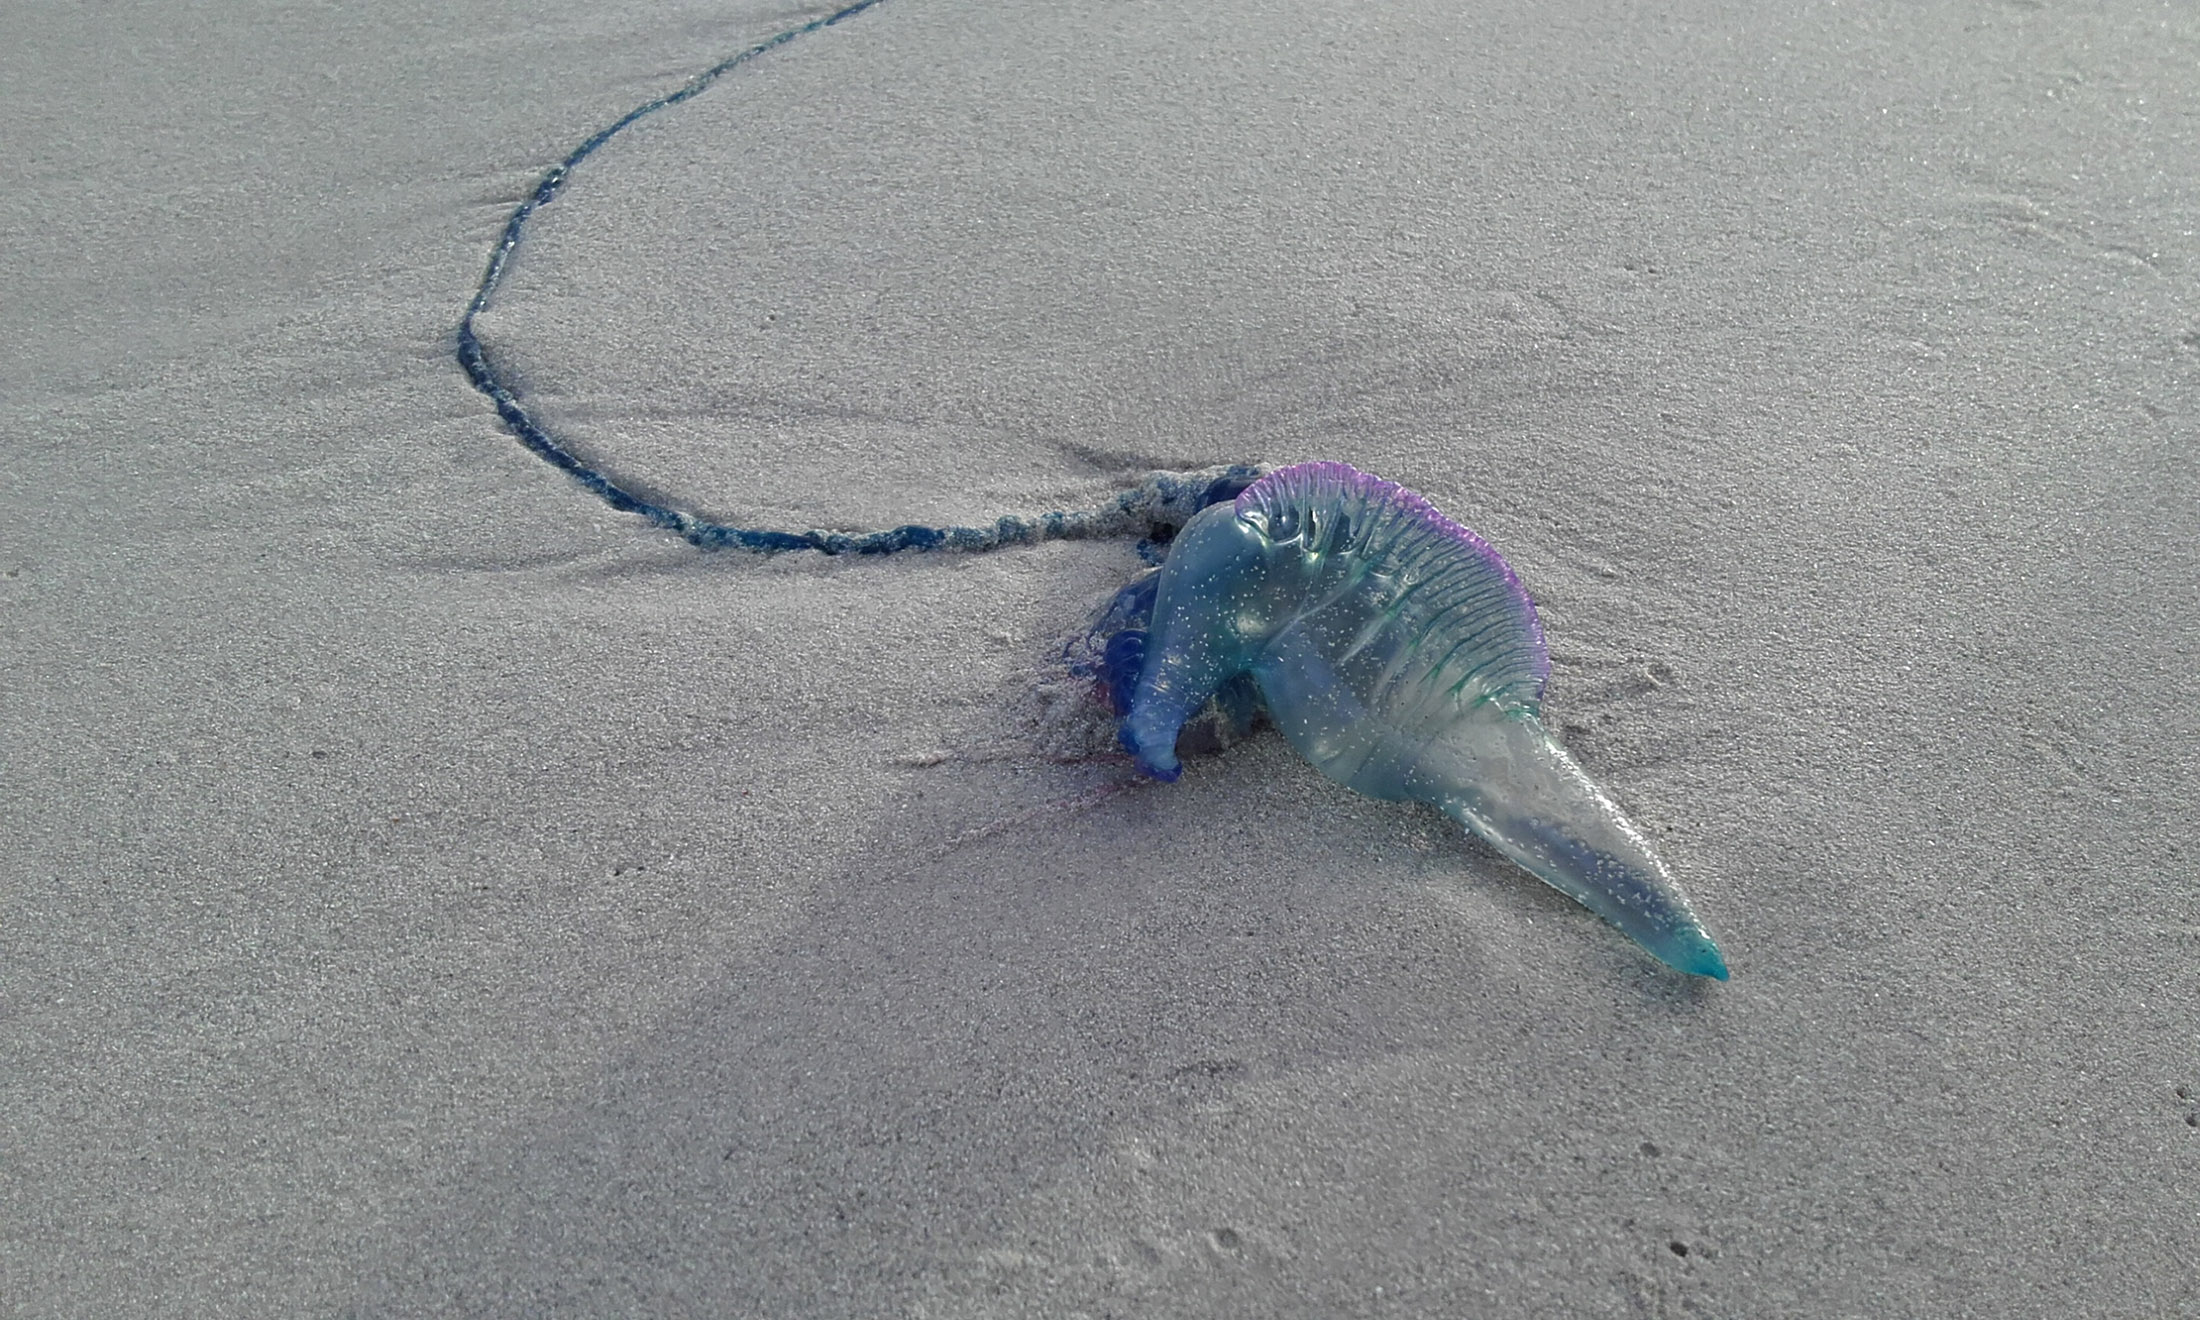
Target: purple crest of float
1290 485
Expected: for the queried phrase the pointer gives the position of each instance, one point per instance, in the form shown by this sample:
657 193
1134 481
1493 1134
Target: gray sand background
431 893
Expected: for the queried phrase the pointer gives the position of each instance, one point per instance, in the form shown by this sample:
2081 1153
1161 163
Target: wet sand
436 893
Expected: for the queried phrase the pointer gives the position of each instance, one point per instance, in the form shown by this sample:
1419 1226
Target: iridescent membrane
1398 652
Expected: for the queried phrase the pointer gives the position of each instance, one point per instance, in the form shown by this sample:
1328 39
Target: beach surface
431 891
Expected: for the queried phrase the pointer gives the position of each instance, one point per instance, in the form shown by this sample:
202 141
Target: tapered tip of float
1695 954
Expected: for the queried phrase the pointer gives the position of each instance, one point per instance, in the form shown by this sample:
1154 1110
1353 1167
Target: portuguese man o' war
1394 648
1398 652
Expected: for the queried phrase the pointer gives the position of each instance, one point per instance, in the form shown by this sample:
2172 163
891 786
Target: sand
434 893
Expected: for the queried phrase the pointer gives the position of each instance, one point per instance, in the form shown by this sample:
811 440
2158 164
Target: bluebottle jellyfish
1395 649
1398 652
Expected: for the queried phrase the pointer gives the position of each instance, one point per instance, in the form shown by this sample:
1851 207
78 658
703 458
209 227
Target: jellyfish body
1398 652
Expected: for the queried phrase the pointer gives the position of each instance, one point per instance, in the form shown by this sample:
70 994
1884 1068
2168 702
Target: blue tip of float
1704 960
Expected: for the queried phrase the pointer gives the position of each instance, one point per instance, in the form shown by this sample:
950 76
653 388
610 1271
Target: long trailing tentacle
1163 500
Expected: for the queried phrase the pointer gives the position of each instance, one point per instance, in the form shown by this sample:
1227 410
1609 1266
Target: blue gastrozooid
1398 652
